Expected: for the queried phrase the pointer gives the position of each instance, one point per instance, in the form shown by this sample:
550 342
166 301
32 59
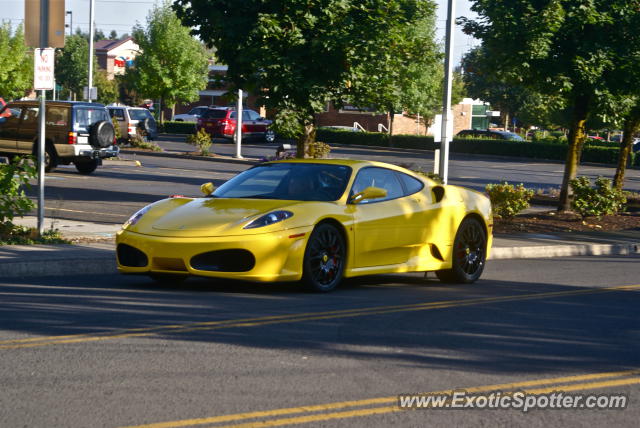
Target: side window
253 115
233 115
57 116
246 115
10 116
411 185
30 116
378 177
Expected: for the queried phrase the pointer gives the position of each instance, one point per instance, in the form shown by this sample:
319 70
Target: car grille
224 261
130 256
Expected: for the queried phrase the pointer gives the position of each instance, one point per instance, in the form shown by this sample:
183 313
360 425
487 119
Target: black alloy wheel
50 156
468 255
324 258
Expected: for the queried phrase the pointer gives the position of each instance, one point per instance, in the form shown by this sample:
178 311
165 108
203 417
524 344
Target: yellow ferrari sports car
317 221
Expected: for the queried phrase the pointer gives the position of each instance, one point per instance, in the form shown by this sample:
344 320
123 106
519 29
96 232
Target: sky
122 15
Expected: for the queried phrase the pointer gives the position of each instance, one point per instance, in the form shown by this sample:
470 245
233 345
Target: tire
149 127
168 278
50 157
86 167
324 259
102 134
469 254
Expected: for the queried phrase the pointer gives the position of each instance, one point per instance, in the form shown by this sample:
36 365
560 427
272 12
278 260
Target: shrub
508 200
318 149
116 128
14 177
596 201
202 140
139 142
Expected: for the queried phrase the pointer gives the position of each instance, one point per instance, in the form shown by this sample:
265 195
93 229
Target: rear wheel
86 167
324 258
468 255
50 157
269 136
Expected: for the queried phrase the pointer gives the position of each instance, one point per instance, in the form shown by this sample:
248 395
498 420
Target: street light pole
447 117
44 41
91 33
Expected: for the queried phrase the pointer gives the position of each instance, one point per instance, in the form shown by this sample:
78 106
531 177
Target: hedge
526 149
178 127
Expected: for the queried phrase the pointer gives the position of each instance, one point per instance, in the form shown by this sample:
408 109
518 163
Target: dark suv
222 121
77 132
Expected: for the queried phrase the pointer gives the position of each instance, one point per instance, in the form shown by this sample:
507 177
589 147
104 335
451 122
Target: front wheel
468 255
269 136
324 258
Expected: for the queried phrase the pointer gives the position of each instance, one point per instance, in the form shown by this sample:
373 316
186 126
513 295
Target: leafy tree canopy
304 53
16 63
172 66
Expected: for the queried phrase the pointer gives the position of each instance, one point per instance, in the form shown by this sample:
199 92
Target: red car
222 121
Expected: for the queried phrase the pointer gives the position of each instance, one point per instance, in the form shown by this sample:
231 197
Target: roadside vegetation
14 179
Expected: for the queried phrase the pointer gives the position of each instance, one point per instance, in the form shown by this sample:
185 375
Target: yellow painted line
558 384
302 317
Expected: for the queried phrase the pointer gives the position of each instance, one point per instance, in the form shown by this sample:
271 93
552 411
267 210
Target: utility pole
91 33
447 117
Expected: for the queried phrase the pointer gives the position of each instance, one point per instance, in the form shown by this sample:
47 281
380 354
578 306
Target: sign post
239 126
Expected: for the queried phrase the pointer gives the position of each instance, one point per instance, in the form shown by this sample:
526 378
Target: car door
118 113
384 229
28 129
9 123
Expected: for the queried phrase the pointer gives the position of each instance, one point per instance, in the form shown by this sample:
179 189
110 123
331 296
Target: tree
16 63
71 64
71 71
558 48
113 35
302 54
172 65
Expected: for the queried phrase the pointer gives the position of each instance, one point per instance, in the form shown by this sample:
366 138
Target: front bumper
278 255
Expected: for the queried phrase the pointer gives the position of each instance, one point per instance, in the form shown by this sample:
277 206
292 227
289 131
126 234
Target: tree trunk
631 126
577 136
308 136
161 113
506 121
173 110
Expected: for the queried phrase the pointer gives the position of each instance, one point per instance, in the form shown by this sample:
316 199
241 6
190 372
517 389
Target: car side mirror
368 193
207 188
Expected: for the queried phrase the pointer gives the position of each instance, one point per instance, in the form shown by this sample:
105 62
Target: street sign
43 77
85 93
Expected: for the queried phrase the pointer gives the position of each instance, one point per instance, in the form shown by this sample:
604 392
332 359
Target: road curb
102 261
548 251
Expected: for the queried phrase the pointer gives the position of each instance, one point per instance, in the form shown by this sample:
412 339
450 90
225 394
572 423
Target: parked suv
222 121
134 121
77 132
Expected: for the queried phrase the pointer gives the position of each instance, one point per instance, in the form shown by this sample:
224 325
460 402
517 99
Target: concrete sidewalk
99 257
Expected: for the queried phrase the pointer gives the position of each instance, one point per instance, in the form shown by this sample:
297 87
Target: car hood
207 216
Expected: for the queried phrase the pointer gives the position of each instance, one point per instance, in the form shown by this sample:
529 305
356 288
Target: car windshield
140 114
289 181
87 116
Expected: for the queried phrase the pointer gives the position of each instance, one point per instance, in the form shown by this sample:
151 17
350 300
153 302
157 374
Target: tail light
131 129
72 138
226 124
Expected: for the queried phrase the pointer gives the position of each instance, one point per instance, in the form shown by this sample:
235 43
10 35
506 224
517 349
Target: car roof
59 103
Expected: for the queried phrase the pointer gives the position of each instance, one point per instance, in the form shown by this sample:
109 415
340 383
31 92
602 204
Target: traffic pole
447 117
44 41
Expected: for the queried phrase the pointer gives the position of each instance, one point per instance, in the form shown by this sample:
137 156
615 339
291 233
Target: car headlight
136 217
267 219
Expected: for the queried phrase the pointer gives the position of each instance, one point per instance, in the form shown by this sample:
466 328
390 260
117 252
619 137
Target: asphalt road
117 189
121 351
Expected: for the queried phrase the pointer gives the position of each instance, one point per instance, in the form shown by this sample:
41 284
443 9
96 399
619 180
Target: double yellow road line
291 318
385 405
